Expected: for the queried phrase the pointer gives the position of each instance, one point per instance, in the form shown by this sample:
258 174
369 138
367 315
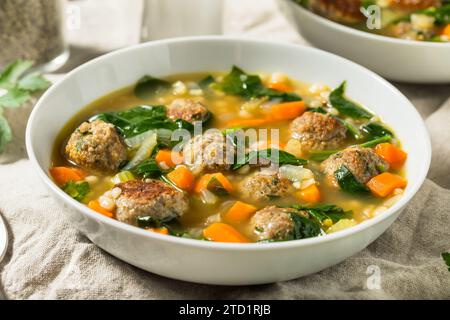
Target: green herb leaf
238 83
13 71
206 82
446 257
375 130
325 211
149 169
269 155
138 120
78 191
347 107
304 227
33 82
5 133
148 87
14 98
348 182
373 143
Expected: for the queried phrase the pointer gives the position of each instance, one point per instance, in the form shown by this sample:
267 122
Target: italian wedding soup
421 20
231 157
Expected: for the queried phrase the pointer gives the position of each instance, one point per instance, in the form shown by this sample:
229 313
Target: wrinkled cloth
49 259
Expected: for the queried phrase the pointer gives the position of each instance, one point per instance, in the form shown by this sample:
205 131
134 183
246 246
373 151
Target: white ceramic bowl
222 263
395 59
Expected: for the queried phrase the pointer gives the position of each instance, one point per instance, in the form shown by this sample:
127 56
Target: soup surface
422 20
230 157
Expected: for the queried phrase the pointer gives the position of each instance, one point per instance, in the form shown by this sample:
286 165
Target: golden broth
224 109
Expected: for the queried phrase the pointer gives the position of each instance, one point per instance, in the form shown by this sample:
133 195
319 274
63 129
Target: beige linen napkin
47 258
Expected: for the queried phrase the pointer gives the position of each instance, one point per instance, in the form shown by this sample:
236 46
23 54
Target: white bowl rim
420 174
365 34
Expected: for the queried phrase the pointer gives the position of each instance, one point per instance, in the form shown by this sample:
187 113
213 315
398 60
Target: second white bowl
395 59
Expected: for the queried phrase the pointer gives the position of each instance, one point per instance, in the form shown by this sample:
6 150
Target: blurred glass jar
33 30
177 18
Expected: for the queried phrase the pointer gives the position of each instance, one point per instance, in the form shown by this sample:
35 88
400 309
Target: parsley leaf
446 257
5 133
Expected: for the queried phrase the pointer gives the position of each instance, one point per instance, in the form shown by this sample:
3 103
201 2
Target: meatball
96 145
363 163
188 110
344 11
264 186
273 223
317 131
154 199
210 151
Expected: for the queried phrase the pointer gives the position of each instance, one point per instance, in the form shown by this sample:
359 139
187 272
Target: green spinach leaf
148 87
238 83
5 132
325 211
375 130
348 182
347 107
269 155
304 227
149 169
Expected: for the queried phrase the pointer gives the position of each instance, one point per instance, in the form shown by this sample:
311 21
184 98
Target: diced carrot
95 205
239 212
280 86
446 31
183 178
384 184
62 175
310 194
393 155
169 158
162 230
287 110
204 181
221 232
246 123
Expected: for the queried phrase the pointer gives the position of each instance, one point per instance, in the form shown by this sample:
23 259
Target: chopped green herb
347 107
77 190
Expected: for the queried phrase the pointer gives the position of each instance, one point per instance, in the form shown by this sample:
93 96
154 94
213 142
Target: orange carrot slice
62 175
169 158
183 178
239 212
162 230
393 155
288 110
384 184
221 232
310 194
95 205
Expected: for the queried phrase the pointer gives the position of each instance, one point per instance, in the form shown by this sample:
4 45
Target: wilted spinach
269 155
348 182
347 107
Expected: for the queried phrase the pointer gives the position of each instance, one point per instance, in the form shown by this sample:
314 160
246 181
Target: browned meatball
188 110
209 152
317 131
264 186
96 145
273 223
363 163
154 199
344 11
